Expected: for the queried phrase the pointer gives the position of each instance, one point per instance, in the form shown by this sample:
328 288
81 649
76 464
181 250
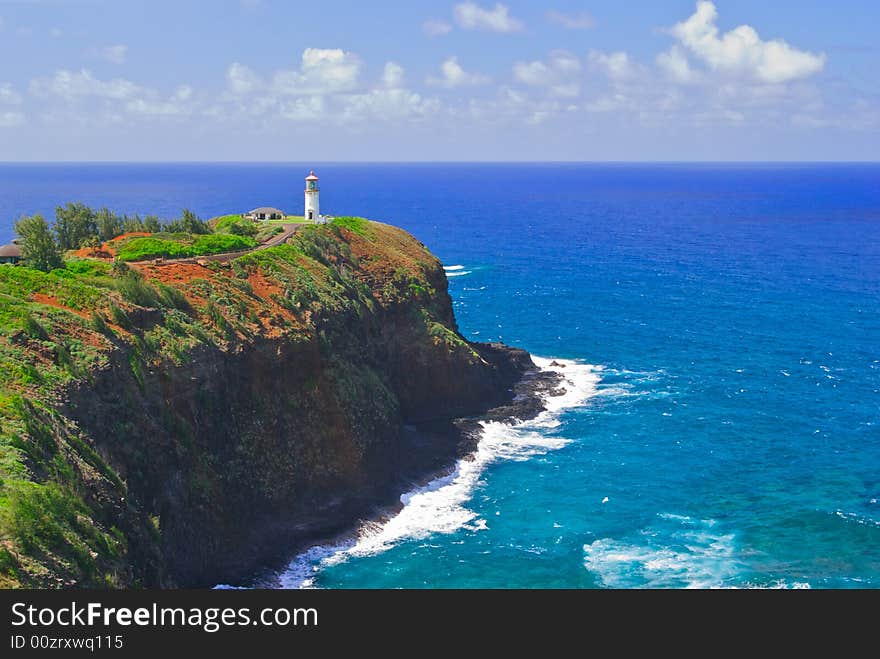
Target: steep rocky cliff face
192 424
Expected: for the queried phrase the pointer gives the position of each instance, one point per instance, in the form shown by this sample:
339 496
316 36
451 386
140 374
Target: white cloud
303 109
392 75
435 28
385 104
472 16
617 66
11 119
378 104
325 88
675 65
614 102
157 108
742 51
116 97
531 73
336 66
183 93
8 95
512 108
72 84
453 75
559 73
241 80
322 71
592 91
579 21
115 54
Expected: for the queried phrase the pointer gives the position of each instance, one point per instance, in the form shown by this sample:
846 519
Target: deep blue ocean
722 427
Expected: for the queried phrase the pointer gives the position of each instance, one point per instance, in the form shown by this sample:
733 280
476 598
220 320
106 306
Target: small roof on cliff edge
311 177
10 250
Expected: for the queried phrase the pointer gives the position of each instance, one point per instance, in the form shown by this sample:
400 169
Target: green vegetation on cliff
176 246
239 226
143 408
226 223
77 226
357 224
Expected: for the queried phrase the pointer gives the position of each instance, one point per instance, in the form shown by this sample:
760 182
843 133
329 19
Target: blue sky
275 80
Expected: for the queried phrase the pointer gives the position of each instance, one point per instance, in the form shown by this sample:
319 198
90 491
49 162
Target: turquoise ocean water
721 326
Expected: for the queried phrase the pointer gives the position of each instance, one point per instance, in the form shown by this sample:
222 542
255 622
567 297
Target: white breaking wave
623 384
781 584
858 519
679 552
455 271
441 505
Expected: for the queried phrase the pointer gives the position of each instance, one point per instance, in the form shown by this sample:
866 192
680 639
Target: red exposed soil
271 314
173 273
130 234
107 251
89 253
86 336
262 286
51 301
265 289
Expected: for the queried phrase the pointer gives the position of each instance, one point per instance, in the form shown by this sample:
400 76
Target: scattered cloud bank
10 100
8 95
393 75
70 85
84 96
471 16
675 65
453 75
327 86
704 76
559 73
616 66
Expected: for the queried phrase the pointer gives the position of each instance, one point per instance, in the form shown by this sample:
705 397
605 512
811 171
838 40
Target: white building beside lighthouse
313 208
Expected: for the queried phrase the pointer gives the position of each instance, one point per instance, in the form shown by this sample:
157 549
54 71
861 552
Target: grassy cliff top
177 246
55 326
60 328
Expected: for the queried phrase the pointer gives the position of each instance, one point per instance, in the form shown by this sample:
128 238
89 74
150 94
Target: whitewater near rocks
441 506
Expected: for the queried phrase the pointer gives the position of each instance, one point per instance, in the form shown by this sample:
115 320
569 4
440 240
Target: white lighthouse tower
313 207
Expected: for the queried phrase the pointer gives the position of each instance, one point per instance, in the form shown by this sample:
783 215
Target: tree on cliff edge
74 223
38 247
